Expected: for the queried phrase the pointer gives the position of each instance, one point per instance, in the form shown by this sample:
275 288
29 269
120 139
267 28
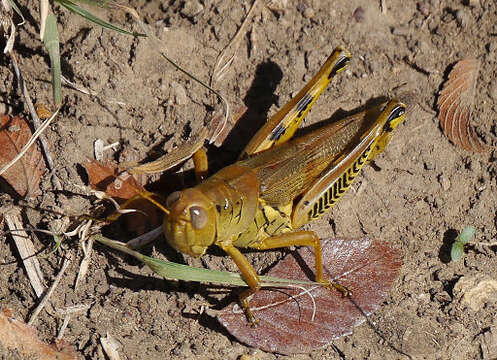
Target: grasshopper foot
345 292
244 302
342 289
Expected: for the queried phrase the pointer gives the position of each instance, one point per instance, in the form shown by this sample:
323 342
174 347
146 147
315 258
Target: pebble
492 91
359 14
309 13
192 9
278 6
462 18
444 182
179 93
492 47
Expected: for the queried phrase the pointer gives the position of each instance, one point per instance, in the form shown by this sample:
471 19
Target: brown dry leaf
123 186
455 105
17 336
25 175
107 178
286 324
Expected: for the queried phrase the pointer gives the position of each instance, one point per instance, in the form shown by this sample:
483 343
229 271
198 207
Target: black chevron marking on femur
339 187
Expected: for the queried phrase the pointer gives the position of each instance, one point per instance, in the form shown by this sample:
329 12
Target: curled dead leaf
455 105
107 178
25 175
122 186
18 336
299 321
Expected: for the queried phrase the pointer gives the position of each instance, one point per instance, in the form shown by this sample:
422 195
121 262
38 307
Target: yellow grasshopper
278 185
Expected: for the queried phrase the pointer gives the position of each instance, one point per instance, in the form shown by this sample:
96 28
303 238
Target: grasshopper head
191 225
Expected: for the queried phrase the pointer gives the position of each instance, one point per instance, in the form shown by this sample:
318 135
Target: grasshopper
278 185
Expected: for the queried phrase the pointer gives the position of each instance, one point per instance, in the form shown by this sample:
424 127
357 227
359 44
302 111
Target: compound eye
172 198
198 217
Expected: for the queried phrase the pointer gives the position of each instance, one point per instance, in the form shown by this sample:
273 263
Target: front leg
249 275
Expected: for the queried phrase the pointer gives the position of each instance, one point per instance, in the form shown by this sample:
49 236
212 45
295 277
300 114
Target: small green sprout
462 239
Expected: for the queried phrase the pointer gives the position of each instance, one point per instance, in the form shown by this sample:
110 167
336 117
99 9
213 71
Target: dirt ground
422 190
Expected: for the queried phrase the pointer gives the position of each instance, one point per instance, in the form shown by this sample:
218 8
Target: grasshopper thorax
190 226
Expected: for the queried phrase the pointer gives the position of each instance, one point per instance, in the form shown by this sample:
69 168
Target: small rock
423 8
492 92
277 6
309 13
358 14
192 9
492 47
489 343
475 291
444 182
179 93
462 18
429 165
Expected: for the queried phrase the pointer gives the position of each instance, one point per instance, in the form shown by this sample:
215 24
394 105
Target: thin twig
110 346
50 291
90 92
26 251
63 327
36 121
83 268
68 313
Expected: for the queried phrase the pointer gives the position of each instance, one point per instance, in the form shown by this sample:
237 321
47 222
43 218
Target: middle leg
302 238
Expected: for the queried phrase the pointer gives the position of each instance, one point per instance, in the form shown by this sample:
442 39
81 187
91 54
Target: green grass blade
174 271
69 5
51 41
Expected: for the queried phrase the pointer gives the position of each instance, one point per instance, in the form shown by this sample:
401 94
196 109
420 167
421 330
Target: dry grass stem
175 157
48 295
83 267
90 92
68 313
110 346
383 6
62 329
26 251
44 11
